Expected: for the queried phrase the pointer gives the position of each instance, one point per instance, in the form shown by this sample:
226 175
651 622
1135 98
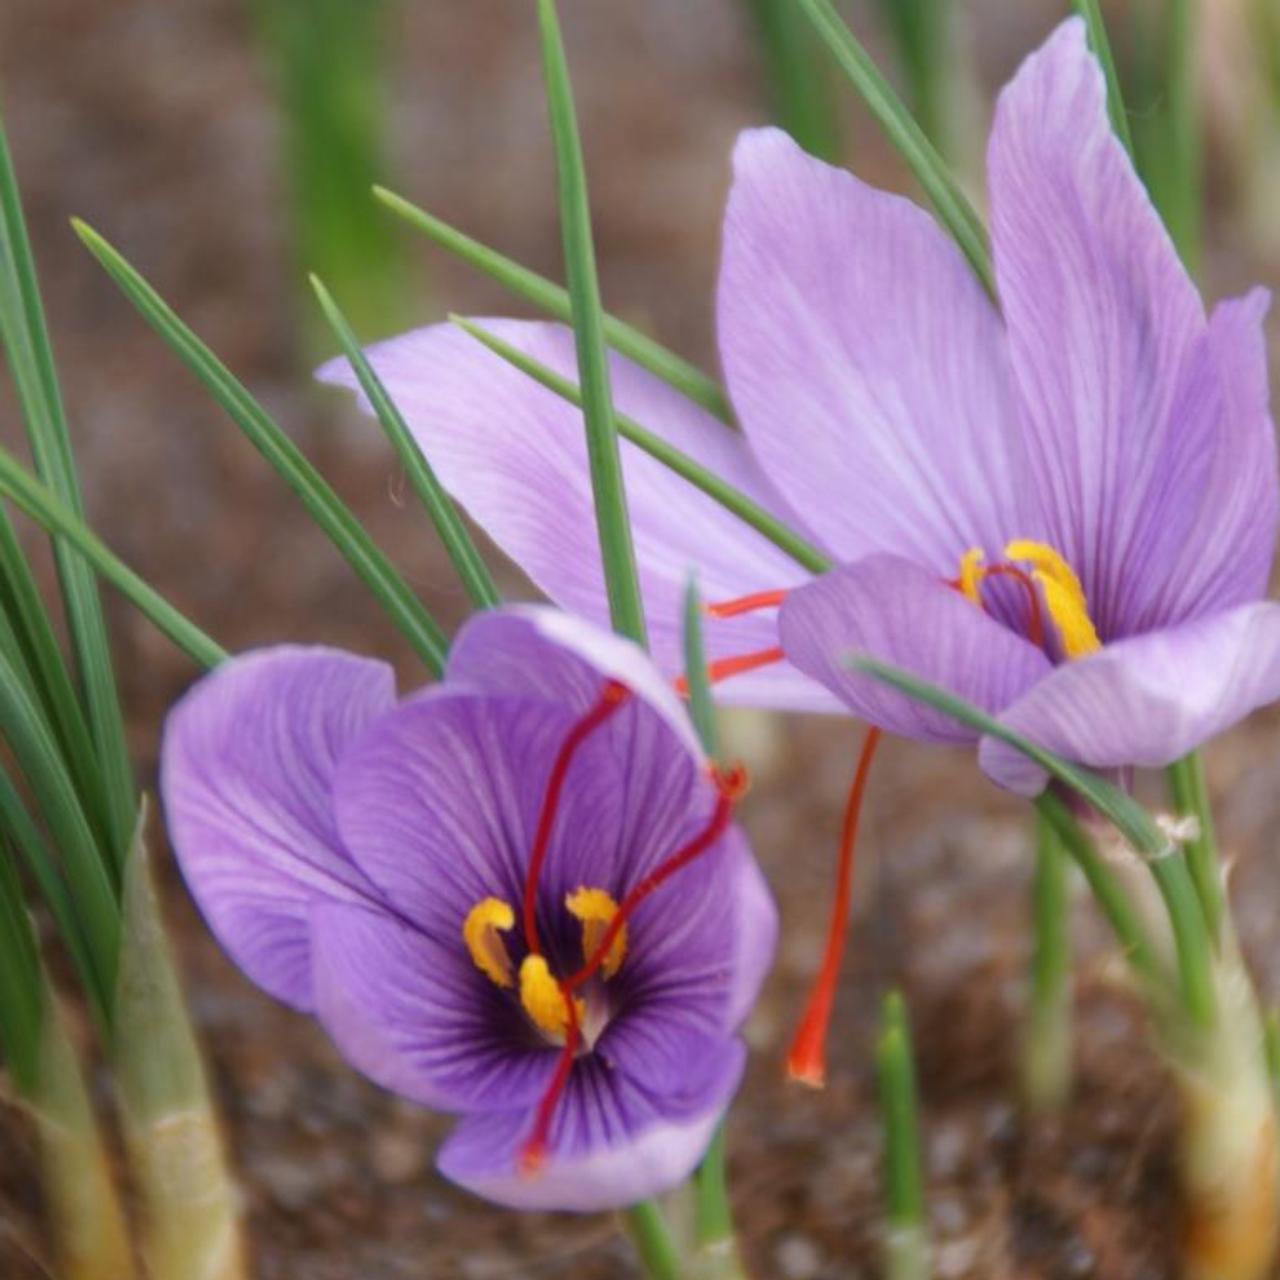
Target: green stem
648 1229
798 88
1191 799
1046 1053
1190 933
906 1238
1114 902
1184 195
714 1215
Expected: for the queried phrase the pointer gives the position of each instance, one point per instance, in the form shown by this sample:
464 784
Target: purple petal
613 1142
246 775
1215 552
1102 319
439 806
514 454
419 1018
893 610
866 363
1147 700
536 651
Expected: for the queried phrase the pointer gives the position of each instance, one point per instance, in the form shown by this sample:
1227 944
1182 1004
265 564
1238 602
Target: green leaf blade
324 506
467 562
622 581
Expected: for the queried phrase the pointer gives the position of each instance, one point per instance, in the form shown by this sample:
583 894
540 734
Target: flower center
1060 587
552 1004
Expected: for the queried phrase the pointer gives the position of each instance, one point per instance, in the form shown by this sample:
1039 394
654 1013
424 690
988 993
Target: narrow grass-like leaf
42 506
750 512
647 1226
26 340
21 1009
471 569
1190 795
1167 862
1091 12
622 580
41 763
701 706
32 646
906 1239
907 137
554 300
324 506
1183 202
919 29
23 837
801 96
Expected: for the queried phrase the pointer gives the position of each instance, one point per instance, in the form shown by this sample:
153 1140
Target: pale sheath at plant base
517 896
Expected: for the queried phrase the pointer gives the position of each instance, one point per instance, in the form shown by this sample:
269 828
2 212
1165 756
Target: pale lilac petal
1148 700
419 1018
538 651
514 454
246 774
866 364
1102 318
613 1143
1212 537
891 609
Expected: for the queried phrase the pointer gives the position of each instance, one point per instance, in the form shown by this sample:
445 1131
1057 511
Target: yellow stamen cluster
596 909
480 931
541 995
1063 595
544 1001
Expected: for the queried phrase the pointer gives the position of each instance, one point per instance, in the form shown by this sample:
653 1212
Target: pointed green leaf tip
622 582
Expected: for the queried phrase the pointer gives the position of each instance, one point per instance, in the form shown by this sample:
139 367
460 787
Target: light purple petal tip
893 610
514 454
866 363
1145 701
246 775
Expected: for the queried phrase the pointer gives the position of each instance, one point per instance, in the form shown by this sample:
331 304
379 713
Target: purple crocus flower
517 896
1063 508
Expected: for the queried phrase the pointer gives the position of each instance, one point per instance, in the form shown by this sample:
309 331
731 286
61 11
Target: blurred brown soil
150 118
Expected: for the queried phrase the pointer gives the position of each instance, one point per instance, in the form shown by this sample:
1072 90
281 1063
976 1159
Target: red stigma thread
1035 622
738 664
612 696
806 1060
746 604
730 785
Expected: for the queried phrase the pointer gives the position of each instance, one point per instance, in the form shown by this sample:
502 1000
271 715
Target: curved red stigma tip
732 781
806 1059
745 604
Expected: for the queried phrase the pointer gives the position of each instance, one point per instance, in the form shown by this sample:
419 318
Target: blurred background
185 131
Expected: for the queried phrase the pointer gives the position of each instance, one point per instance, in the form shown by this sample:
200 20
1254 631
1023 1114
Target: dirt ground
151 119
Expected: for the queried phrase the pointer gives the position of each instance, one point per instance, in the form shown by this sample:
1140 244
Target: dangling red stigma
737 665
806 1060
746 604
730 785
612 696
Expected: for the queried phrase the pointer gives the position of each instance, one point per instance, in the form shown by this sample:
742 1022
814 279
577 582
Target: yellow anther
480 931
1063 595
971 575
543 1000
596 909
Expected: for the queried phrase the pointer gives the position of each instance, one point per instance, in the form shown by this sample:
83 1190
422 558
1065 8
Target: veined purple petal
246 774
1147 700
1215 552
1102 320
515 455
439 806
537 651
891 609
612 1142
866 364
418 1017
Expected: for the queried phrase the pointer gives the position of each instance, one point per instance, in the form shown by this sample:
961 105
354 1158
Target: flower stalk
1046 1050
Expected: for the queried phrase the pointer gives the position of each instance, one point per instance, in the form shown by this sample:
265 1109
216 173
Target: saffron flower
1062 507
517 896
